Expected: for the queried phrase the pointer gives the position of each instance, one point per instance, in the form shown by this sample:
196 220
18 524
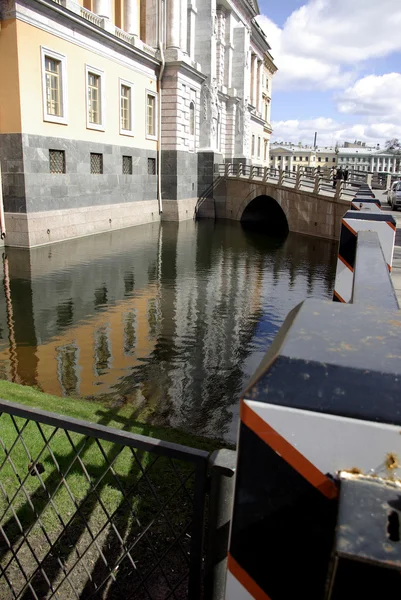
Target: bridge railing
317 180
318 468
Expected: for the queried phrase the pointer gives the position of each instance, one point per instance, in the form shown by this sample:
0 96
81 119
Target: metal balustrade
87 511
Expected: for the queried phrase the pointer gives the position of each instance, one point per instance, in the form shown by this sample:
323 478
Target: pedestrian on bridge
338 176
345 176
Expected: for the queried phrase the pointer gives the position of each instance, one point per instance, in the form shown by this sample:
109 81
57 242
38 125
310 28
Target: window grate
57 161
151 166
127 165
96 163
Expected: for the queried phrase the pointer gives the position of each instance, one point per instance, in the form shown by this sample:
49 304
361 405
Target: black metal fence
87 511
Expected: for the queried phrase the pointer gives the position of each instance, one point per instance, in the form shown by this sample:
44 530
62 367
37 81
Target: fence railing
315 180
87 511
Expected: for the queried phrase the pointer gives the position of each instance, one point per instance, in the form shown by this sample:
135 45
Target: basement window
96 163
57 161
151 166
127 165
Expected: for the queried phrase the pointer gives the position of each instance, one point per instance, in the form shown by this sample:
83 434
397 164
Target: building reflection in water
68 368
177 316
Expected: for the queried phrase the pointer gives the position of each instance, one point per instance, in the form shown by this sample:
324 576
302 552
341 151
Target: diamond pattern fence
88 511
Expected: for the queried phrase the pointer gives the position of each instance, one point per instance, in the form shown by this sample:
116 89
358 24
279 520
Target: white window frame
102 125
154 94
129 84
61 120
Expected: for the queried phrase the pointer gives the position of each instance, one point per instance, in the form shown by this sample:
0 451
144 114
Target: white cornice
72 28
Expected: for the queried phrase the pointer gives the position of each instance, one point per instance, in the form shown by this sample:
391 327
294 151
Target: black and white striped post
323 409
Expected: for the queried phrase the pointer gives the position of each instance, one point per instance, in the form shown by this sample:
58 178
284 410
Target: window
327 159
126 107
127 165
151 166
265 150
319 159
279 157
151 115
334 160
253 146
96 163
192 119
57 161
54 82
95 98
259 148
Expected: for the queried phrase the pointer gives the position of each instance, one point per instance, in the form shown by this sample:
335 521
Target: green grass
73 498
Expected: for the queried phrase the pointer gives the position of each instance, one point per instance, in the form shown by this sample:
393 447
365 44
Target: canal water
171 319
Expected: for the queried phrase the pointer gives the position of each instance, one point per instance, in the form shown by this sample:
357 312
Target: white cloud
374 96
323 43
331 131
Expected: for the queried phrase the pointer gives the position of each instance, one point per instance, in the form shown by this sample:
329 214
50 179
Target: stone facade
197 82
30 187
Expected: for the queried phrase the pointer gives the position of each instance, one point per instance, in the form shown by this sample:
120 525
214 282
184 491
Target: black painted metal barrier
317 506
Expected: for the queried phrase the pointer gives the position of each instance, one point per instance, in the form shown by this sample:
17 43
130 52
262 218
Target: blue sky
335 77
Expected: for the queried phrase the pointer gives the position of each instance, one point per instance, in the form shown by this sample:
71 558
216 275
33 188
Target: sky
339 71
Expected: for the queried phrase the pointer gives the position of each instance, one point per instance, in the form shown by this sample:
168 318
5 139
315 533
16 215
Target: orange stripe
389 268
345 263
391 225
337 295
245 580
294 458
348 227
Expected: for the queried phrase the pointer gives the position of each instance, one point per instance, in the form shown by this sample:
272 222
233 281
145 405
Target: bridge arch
264 210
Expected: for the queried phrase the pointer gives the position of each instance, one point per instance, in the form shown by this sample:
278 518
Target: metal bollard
222 467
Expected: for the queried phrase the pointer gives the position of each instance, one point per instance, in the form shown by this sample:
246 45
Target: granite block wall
12 166
77 187
179 174
206 169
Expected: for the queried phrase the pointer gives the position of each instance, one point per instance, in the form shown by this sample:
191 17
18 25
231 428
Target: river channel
171 318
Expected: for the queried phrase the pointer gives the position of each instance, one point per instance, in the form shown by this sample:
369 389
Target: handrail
318 180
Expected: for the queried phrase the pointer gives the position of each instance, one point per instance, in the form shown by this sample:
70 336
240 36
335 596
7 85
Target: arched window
192 119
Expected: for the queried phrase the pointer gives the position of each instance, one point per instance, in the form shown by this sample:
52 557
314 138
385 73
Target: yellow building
114 112
78 120
291 157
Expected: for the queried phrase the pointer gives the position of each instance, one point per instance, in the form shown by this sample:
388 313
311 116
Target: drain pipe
159 85
2 219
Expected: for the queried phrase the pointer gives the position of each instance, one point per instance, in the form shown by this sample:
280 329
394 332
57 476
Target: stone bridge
302 202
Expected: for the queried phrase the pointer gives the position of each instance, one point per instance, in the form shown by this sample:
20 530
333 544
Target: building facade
291 157
114 112
362 158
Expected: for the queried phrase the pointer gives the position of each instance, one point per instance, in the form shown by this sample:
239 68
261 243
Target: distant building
355 156
291 157
360 158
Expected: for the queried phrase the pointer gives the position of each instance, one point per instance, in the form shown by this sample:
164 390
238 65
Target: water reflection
176 316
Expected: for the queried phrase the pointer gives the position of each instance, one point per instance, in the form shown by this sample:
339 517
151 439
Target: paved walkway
396 273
